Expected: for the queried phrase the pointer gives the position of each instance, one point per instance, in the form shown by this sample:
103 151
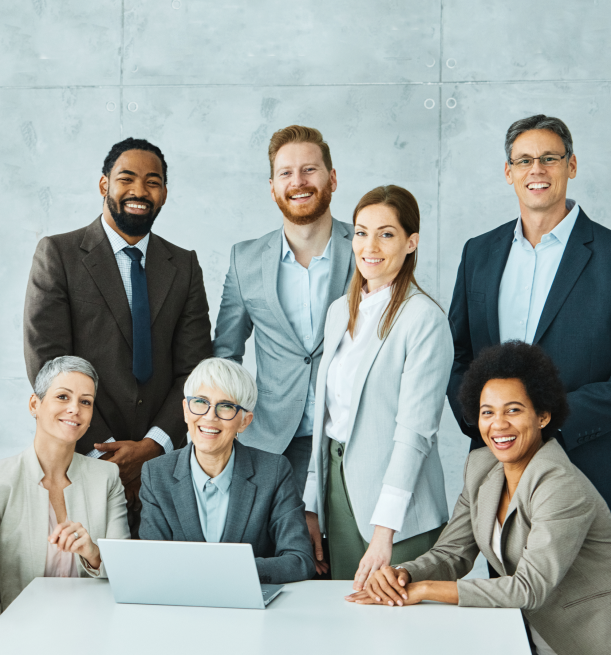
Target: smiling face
508 422
134 192
302 185
380 245
540 188
212 436
66 410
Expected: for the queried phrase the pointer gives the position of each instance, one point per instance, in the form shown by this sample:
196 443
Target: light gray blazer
396 406
95 499
284 366
556 545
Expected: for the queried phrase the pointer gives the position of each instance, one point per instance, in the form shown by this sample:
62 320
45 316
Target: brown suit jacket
76 305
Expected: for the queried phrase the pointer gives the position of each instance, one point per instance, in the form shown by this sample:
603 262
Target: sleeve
116 519
47 321
160 437
590 416
233 324
463 348
153 524
310 493
422 392
191 344
391 508
288 530
561 517
456 550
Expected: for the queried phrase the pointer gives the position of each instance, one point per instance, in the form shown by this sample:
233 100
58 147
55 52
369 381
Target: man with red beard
282 285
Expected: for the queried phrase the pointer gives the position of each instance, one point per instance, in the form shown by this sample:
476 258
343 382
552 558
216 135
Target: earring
34 415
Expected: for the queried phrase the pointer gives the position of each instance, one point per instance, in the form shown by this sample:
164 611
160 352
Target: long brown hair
408 214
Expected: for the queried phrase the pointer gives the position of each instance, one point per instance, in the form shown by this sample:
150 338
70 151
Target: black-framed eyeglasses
224 411
546 160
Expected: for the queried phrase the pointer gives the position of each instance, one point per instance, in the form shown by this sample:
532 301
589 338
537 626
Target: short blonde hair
227 376
298 134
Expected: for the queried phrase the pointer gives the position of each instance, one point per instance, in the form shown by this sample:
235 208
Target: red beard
309 212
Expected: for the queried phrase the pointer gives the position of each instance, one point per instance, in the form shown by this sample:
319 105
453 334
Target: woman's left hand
378 555
72 537
416 593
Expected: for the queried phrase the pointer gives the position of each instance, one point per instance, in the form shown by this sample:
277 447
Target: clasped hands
71 537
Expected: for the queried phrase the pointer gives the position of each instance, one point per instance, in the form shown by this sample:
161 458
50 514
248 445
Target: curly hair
522 361
133 144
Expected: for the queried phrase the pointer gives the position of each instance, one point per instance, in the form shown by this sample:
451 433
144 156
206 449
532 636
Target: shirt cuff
98 453
391 508
310 494
158 435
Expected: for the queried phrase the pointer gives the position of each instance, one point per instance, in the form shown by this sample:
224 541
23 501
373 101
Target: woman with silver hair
219 490
54 503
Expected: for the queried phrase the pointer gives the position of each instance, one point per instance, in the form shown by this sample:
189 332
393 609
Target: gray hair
539 122
64 364
228 377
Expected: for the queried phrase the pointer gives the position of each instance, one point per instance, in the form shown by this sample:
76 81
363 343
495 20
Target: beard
302 214
134 225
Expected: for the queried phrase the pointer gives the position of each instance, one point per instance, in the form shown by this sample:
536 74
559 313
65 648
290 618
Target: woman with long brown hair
375 483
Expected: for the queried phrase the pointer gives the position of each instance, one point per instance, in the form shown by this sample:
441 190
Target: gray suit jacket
284 366
264 510
395 409
556 545
76 305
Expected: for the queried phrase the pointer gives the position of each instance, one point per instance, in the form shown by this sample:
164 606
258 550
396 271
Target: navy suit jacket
574 330
265 510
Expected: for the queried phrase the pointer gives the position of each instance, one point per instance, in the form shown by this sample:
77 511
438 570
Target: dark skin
136 174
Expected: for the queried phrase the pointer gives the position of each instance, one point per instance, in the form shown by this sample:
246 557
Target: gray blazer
284 366
396 406
94 498
264 510
556 545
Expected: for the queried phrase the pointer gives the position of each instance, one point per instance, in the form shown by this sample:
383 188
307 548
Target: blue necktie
142 366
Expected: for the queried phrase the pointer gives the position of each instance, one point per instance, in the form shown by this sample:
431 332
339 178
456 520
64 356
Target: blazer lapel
160 273
75 495
497 259
574 260
341 257
102 266
184 499
242 496
270 263
488 503
37 513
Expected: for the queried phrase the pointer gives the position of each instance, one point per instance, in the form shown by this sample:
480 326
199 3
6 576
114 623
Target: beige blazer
95 498
556 546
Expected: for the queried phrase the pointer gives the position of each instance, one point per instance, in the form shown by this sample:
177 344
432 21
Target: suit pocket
601 594
476 296
257 304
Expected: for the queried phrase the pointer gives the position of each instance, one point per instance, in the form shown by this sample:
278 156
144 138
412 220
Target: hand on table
316 541
129 456
387 586
72 537
378 555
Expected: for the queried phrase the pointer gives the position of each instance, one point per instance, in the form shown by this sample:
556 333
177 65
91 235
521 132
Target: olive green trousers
346 545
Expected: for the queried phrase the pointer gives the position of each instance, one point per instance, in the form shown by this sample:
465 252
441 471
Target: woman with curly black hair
535 516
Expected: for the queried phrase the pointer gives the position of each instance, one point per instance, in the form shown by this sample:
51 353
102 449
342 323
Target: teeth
208 430
503 439
539 185
134 206
372 261
301 195
70 423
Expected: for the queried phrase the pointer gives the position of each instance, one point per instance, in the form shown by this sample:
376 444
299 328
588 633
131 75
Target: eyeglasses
546 160
224 411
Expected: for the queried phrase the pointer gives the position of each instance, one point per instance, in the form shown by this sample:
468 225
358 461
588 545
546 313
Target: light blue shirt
212 495
303 293
528 277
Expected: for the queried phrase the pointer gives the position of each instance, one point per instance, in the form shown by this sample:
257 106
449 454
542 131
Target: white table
63 615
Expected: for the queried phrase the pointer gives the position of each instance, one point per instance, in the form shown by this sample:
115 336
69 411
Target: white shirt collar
561 232
286 250
117 242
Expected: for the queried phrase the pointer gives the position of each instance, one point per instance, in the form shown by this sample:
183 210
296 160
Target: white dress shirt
302 293
528 277
117 243
393 502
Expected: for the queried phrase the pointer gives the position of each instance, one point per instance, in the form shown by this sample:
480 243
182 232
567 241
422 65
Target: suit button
308 360
339 452
140 401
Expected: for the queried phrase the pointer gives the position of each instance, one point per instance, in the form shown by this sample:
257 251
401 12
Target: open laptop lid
182 573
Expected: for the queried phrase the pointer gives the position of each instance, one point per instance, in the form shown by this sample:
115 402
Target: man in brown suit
129 302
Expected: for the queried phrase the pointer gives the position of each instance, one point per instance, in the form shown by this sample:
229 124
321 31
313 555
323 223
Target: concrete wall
407 92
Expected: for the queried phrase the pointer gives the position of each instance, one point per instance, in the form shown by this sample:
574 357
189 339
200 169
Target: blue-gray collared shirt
302 293
212 495
528 277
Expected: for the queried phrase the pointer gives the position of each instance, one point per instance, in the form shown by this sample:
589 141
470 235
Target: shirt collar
222 480
376 297
561 232
117 242
288 253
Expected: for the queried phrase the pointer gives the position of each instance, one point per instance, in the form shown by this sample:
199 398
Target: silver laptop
184 573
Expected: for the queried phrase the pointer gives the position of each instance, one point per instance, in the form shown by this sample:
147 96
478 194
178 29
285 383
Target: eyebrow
126 172
547 152
382 227
230 402
511 402
70 390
